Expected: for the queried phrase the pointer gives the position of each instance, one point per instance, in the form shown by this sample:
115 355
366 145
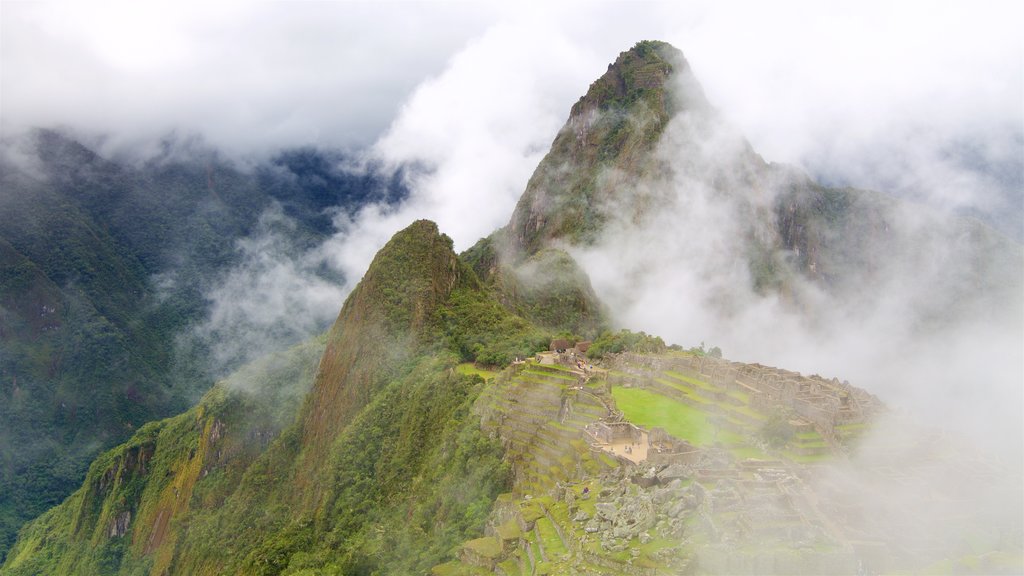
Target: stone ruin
655 447
615 432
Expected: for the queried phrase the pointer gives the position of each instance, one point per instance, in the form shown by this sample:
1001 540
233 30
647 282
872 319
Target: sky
858 93
924 100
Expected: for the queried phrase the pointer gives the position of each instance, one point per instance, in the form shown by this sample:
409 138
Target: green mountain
105 271
428 431
422 478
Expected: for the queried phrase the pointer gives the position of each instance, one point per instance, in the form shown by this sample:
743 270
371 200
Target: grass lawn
553 547
806 458
543 374
648 410
469 368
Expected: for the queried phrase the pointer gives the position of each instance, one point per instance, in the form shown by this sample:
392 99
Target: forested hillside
105 270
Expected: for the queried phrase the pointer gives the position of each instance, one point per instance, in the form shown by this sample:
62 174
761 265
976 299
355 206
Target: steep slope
609 138
105 269
381 458
79 366
192 461
387 319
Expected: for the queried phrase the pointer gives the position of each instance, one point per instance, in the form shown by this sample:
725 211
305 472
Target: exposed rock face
119 525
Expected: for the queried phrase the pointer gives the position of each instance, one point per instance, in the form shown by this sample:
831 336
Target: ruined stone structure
614 432
560 345
664 449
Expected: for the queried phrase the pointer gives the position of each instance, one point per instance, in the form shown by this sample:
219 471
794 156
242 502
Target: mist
278 294
888 117
907 331
916 101
928 317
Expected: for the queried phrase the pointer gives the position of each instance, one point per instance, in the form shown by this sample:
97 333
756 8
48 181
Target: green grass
690 383
812 444
469 369
542 374
558 367
676 385
488 546
649 410
553 547
689 380
743 452
510 567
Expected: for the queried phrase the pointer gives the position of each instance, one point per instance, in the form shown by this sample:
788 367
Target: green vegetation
470 369
104 269
479 329
487 547
161 468
702 350
553 546
647 409
626 111
551 290
385 445
626 341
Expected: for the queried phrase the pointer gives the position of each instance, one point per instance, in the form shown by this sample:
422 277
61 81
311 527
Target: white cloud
250 77
272 298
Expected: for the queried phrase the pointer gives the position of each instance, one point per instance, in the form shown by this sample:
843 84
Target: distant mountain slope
104 266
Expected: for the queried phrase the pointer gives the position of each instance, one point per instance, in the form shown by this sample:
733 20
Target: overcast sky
919 99
802 79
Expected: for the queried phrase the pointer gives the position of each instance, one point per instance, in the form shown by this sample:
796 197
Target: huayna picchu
480 414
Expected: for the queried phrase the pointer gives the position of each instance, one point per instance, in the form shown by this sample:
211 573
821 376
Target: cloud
876 95
914 98
906 330
277 295
820 96
251 78
919 99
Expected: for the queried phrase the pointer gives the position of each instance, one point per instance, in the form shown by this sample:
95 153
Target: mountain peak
408 277
386 318
611 130
639 74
